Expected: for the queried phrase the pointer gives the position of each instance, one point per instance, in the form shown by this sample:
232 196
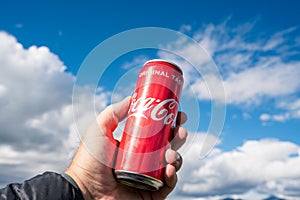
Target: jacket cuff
70 180
74 184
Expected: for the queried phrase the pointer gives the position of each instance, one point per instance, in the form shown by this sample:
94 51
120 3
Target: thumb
98 139
109 118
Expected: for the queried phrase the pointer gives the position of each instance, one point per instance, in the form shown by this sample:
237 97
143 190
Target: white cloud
18 166
292 107
277 39
277 117
292 111
185 28
252 85
35 83
2 90
271 81
250 72
137 61
263 167
36 115
254 70
36 119
264 117
197 145
246 116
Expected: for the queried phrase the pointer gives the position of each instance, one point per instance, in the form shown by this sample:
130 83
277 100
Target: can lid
165 61
138 180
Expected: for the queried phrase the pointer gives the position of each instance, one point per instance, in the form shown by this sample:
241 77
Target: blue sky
254 44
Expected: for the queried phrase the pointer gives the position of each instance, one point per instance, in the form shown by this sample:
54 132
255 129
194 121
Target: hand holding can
148 129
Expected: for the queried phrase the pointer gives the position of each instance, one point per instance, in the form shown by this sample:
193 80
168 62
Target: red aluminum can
148 130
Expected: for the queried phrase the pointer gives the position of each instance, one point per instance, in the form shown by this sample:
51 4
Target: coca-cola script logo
165 110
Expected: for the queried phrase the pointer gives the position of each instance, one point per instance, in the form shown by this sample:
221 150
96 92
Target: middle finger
180 135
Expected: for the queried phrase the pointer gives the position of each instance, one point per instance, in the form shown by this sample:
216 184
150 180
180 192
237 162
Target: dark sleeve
49 185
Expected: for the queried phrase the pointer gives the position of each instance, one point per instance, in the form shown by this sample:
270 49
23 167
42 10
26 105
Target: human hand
92 166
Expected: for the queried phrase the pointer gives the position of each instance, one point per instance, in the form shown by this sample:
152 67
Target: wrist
80 184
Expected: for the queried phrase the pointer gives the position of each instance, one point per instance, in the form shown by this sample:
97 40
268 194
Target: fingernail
178 157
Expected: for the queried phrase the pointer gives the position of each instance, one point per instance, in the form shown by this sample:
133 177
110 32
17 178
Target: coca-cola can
149 126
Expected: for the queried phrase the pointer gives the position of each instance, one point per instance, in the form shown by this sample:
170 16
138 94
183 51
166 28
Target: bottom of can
137 180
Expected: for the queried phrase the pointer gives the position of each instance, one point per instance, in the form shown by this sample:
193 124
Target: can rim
165 61
146 182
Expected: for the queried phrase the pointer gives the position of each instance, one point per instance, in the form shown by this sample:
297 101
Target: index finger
181 118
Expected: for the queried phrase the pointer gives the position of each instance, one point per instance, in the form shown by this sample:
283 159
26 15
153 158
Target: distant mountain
269 198
273 198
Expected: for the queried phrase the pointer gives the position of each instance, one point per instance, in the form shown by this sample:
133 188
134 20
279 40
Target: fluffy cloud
254 70
36 119
266 166
37 126
250 86
291 111
34 83
258 69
